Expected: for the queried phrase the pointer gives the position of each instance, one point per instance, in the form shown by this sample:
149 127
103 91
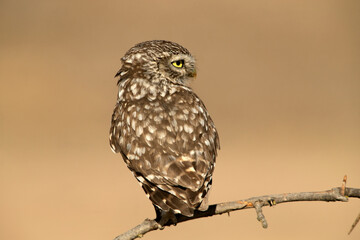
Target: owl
162 129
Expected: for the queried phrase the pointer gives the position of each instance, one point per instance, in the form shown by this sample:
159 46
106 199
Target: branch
336 194
354 224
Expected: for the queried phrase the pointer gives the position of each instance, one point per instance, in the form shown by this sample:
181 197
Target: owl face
159 60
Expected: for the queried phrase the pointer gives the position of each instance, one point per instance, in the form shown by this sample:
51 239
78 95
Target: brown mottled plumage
162 128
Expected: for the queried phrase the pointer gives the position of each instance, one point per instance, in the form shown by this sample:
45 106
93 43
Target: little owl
163 130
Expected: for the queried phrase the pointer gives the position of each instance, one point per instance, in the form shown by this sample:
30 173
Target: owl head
158 60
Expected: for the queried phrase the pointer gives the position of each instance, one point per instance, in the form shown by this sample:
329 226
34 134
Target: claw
165 217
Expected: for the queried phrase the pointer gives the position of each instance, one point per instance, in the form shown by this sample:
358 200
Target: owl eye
178 63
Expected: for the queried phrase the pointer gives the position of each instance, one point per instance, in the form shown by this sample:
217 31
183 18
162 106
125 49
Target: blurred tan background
281 80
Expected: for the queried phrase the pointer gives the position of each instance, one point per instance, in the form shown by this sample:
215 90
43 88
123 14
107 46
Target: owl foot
167 218
164 218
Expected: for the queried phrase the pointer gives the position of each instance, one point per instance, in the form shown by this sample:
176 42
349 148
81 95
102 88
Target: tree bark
335 194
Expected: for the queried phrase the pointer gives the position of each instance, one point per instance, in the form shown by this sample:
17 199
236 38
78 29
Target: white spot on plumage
147 164
121 92
145 123
128 146
150 177
201 121
141 179
139 131
149 137
170 140
145 84
193 137
141 95
181 117
121 141
112 148
172 90
194 110
151 97
151 128
134 89
190 169
133 124
132 157
158 109
172 192
184 159
161 134
172 113
188 128
130 108
139 151
157 119
152 89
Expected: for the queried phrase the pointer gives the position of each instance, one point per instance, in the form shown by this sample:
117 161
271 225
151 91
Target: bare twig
332 195
343 186
354 224
260 215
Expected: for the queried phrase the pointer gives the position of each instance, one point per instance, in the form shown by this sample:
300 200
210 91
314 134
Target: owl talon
160 227
167 218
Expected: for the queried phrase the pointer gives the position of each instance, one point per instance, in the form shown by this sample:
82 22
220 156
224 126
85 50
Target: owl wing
170 144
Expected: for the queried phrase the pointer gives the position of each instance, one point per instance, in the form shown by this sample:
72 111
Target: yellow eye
178 63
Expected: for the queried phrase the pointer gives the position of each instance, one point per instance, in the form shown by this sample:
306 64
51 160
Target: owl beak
192 74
